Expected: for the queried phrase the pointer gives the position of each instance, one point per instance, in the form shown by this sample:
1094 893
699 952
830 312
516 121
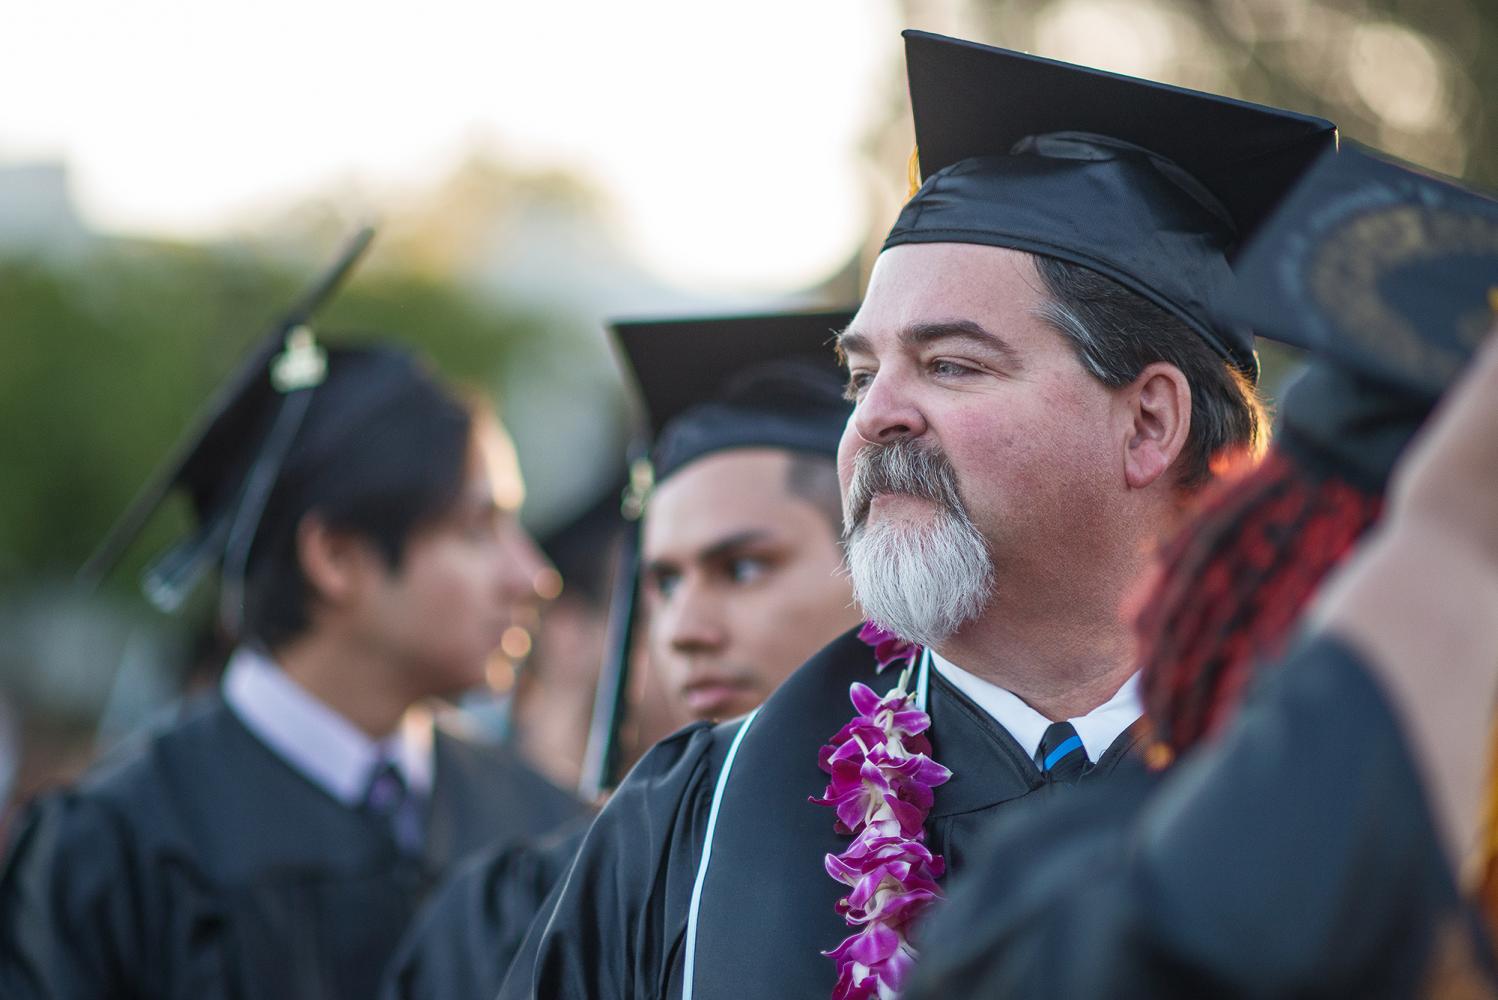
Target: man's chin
714 703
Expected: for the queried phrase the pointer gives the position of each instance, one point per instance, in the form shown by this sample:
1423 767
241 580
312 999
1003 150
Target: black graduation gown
199 864
616 927
1295 857
462 943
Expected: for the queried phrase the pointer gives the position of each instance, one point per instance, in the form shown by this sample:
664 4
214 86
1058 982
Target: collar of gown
322 745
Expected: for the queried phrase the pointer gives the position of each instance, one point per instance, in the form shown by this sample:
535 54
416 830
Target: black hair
382 451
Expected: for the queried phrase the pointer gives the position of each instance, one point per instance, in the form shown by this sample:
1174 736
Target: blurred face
742 582
960 386
463 580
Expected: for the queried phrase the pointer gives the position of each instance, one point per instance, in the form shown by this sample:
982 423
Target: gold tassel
913 176
1486 862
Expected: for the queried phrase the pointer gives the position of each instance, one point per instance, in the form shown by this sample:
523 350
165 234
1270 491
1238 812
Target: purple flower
873 780
892 883
872 964
888 647
880 787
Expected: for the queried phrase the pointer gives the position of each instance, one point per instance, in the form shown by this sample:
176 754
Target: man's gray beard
923 582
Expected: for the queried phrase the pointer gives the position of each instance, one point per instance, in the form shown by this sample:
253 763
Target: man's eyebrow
961 329
716 551
850 341
724 546
656 567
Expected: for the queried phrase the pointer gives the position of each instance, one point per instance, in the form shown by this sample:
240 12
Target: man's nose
693 623
888 411
525 574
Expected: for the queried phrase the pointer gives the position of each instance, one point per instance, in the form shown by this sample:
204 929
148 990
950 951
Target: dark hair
1117 334
813 478
381 452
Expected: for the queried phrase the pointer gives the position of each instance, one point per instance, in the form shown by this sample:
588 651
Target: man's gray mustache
903 468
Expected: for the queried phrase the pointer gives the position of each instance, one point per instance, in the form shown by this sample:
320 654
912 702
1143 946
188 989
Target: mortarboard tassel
1486 875
296 373
1487 858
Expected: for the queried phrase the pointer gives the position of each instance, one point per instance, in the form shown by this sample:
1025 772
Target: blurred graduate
274 842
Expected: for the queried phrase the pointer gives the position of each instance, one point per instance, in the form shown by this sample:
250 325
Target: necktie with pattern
1062 756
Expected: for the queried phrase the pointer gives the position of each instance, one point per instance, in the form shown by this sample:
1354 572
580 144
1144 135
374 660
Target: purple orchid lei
881 780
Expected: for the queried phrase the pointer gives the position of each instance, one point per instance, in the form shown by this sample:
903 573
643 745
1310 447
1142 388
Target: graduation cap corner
228 458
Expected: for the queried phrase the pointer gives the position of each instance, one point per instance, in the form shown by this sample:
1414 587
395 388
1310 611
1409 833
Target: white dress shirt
315 740
1097 729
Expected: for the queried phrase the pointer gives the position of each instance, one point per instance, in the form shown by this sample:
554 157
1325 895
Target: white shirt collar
1097 729
314 739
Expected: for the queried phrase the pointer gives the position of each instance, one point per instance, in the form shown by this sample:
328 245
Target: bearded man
1317 661
1039 389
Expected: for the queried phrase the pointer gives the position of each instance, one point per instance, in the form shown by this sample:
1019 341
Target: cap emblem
303 364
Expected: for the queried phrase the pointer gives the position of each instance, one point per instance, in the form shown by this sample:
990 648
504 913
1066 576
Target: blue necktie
1062 757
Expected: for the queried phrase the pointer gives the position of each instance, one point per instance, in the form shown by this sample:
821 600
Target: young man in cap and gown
276 840
1039 390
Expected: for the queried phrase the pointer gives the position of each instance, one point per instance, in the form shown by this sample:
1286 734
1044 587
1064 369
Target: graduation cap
1385 274
1150 185
230 457
710 385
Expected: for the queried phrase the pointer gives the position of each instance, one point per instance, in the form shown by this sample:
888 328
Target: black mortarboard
228 460
1148 184
738 382
1384 273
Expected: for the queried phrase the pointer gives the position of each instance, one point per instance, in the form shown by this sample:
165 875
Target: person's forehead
494 464
919 285
720 495
703 487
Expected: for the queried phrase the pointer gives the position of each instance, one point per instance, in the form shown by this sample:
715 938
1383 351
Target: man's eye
858 383
665 583
947 368
747 570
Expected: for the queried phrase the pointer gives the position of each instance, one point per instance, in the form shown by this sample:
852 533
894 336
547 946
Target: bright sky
725 133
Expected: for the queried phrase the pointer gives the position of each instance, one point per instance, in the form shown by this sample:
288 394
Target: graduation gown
1295 857
199 864
618 925
462 943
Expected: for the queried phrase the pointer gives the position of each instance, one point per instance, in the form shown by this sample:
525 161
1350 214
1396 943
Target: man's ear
1158 411
335 563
